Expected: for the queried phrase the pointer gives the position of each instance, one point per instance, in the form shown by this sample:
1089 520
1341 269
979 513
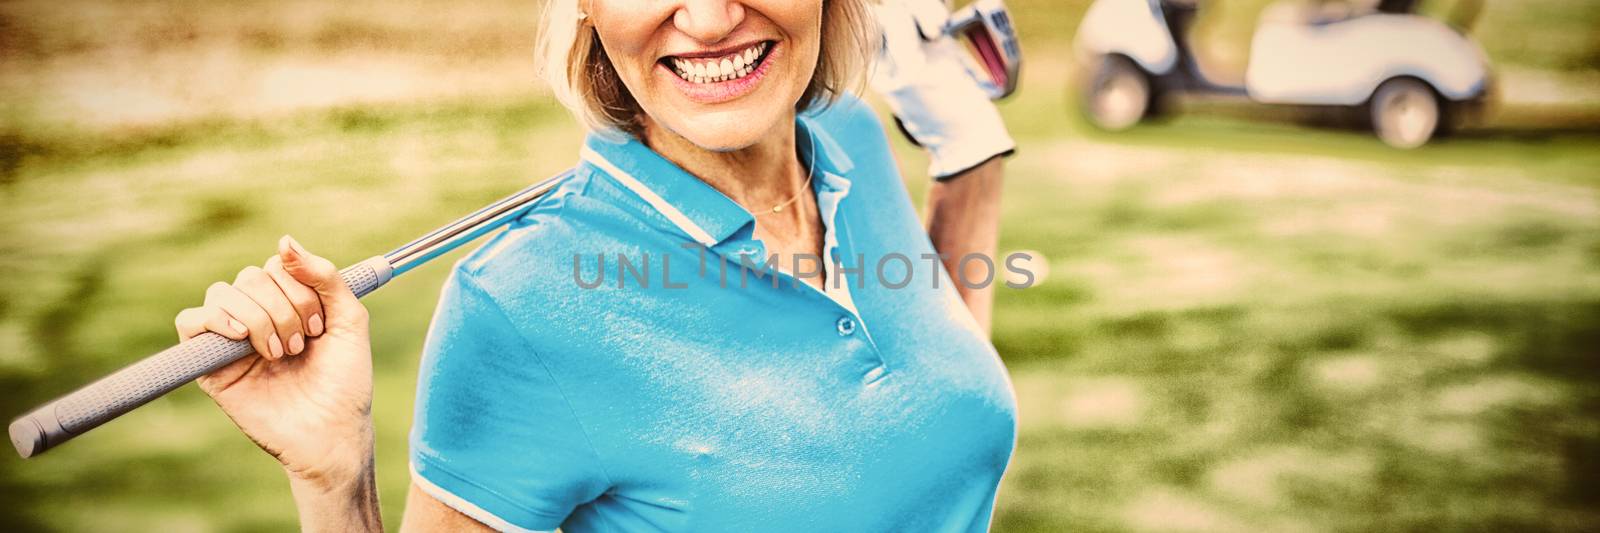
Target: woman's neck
758 177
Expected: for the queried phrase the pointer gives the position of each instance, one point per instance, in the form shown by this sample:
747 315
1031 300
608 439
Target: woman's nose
708 20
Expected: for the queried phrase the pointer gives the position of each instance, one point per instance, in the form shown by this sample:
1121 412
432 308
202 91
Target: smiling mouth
727 67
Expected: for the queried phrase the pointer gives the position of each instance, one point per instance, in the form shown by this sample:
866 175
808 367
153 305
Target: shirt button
846 326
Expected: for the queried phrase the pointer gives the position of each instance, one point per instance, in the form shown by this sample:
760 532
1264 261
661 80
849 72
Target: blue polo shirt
565 387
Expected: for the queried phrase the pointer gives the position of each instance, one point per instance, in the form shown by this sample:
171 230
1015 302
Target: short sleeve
494 435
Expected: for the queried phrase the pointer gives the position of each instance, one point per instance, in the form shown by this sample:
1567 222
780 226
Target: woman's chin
725 131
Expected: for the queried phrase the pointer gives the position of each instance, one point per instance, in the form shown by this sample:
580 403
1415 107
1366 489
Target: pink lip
722 91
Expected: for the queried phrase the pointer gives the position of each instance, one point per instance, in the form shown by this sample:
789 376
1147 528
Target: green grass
1247 325
1238 332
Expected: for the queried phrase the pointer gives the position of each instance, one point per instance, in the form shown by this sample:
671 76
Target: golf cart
1407 75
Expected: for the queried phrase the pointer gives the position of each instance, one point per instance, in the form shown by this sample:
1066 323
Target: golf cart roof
1462 15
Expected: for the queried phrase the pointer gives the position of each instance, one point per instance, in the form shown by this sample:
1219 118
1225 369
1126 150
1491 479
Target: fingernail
237 327
294 244
276 345
296 343
315 324
286 251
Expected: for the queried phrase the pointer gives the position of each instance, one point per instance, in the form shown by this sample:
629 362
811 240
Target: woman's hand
305 396
920 74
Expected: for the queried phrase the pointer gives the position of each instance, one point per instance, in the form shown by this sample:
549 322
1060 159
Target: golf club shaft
58 421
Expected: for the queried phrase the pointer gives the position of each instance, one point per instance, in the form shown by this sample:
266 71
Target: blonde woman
837 391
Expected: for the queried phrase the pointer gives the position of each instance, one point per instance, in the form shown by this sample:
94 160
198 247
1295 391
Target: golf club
74 414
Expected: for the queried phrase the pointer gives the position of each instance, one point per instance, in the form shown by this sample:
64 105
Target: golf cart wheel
1405 113
1118 96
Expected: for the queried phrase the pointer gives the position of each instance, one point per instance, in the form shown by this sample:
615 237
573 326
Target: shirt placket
837 289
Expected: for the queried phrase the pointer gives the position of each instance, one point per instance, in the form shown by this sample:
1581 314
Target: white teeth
731 67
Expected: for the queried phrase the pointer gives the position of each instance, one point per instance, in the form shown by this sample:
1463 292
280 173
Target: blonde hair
575 65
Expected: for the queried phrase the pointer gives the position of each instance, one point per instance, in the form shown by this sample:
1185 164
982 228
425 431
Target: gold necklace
779 208
811 172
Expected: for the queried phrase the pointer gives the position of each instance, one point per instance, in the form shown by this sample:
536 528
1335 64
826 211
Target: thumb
318 273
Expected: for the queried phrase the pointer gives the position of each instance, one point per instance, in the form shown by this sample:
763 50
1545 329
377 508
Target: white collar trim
677 217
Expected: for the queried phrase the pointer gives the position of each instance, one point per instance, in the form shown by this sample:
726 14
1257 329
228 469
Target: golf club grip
150 378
